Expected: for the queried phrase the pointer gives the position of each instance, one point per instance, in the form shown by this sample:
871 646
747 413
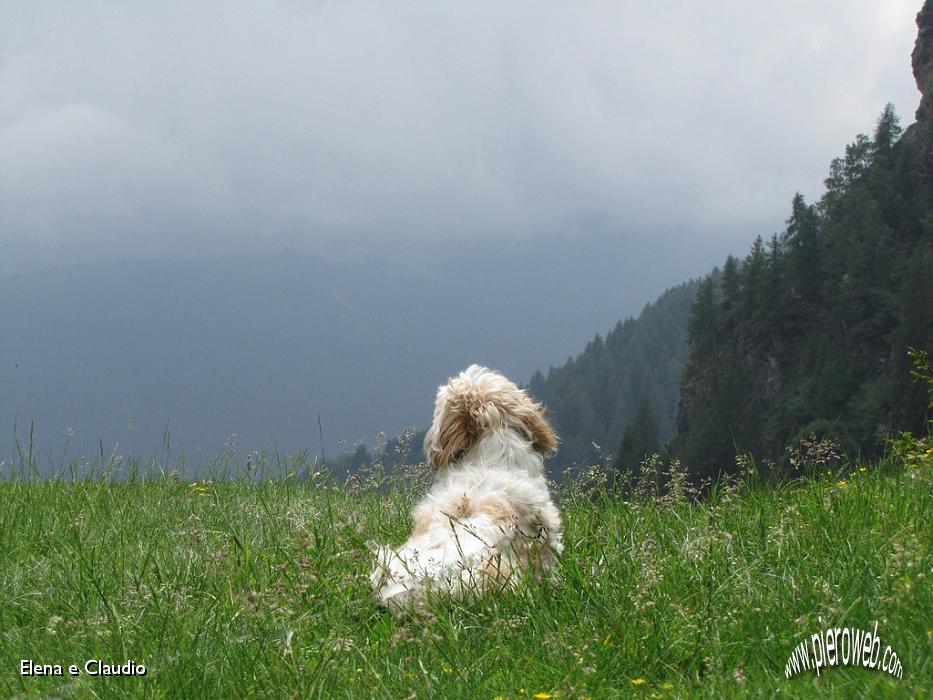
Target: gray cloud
180 128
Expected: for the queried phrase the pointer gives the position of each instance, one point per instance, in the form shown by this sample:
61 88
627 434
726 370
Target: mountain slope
810 333
595 396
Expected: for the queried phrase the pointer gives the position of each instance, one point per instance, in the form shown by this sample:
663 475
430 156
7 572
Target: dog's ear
457 425
535 425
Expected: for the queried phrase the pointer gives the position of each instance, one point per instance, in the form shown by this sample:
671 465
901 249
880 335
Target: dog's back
489 516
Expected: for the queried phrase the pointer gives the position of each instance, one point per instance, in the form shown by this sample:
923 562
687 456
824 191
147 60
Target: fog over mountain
235 215
257 346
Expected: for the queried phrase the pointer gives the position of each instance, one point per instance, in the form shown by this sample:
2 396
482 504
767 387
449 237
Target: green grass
242 589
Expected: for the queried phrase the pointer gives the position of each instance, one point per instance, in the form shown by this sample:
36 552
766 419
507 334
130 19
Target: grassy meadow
259 588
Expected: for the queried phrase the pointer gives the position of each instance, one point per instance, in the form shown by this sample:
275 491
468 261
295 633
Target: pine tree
754 292
702 326
730 285
887 131
801 242
774 280
639 441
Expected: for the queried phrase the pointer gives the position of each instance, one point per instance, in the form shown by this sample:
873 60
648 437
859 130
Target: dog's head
479 400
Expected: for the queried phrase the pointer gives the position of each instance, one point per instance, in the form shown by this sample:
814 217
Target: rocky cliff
922 61
919 136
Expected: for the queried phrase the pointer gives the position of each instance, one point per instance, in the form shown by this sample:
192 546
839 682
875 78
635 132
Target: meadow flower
695 546
639 681
745 463
543 696
288 642
202 487
53 624
342 644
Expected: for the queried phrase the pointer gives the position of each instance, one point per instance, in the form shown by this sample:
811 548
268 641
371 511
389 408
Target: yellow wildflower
639 681
843 483
543 696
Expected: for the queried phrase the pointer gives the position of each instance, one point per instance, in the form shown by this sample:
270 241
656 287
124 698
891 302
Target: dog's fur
488 519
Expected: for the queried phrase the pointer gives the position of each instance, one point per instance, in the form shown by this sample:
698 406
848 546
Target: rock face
922 61
918 137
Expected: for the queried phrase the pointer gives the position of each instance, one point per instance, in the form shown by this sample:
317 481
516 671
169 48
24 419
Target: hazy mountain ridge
593 397
257 346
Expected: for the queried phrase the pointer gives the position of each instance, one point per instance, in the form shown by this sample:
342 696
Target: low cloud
171 128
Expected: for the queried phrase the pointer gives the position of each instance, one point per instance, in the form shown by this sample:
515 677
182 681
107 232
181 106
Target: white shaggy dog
488 518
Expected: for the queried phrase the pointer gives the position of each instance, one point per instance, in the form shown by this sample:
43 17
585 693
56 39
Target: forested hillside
593 398
810 332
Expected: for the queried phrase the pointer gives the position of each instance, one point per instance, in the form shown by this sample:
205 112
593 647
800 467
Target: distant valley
121 354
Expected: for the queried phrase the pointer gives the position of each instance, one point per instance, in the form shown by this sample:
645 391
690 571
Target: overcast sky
178 128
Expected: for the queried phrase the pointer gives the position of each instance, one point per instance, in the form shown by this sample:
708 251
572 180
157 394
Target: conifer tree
801 243
730 284
887 131
703 317
639 441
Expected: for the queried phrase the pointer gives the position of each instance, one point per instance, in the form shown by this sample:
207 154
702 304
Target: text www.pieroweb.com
843 646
